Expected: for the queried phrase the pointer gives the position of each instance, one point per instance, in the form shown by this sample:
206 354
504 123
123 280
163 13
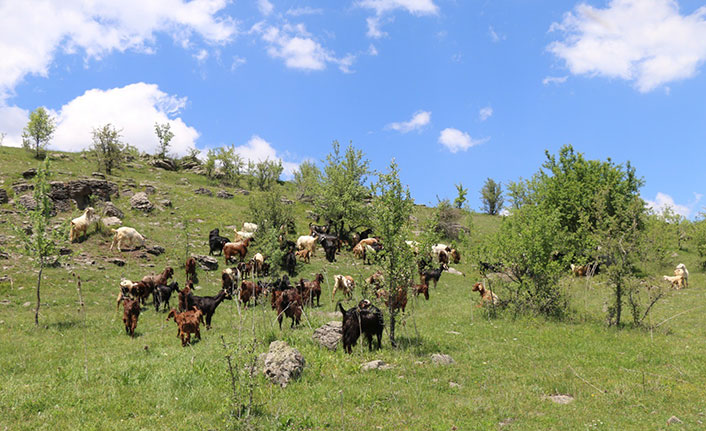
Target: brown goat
186 301
311 289
304 255
289 303
130 314
486 296
190 269
421 288
150 282
248 290
399 300
236 248
188 323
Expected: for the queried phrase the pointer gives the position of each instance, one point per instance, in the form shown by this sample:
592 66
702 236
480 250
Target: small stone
98 175
207 263
111 210
674 420
149 189
441 359
28 202
329 335
29 173
283 363
454 385
141 202
203 191
375 365
155 250
3 196
561 399
453 332
224 194
166 203
116 261
27 304
111 221
65 251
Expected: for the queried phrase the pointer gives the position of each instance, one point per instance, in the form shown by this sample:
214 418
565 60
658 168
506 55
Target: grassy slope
64 375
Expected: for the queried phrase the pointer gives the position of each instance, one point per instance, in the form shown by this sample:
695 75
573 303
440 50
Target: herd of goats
286 298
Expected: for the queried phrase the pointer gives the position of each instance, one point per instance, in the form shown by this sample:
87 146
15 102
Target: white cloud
12 121
299 50
372 50
485 113
133 108
201 56
374 30
494 36
265 7
663 201
382 7
456 140
237 62
299 11
258 150
31 34
647 42
554 80
418 121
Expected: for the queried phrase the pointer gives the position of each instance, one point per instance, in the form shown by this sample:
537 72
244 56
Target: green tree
231 164
306 180
164 135
698 232
38 131
107 148
492 197
42 242
273 218
390 219
210 165
461 198
342 199
267 173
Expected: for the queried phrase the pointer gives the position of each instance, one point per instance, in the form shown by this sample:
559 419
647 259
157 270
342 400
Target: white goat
126 236
249 227
307 242
80 225
682 271
344 283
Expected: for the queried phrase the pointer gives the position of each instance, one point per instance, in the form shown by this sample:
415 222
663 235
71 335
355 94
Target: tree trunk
393 343
39 282
618 303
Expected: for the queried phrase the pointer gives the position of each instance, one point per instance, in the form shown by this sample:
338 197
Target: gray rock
65 251
3 196
29 173
224 194
155 250
98 175
27 201
203 191
111 221
166 203
111 210
86 191
116 261
27 304
22 187
454 385
165 164
4 255
329 335
190 164
207 263
242 192
375 365
441 359
561 399
283 363
149 189
674 420
140 202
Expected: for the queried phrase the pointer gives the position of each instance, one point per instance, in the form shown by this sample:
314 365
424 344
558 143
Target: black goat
208 304
216 242
365 318
290 263
330 244
162 293
432 275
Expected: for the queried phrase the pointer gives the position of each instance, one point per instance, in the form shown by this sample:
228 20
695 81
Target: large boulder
329 335
3 196
283 363
110 210
165 164
111 221
139 201
22 187
155 250
27 202
86 191
207 263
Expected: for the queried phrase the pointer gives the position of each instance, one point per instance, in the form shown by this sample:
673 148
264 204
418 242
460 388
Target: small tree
267 173
492 197
231 164
165 135
461 198
210 165
38 131
108 148
307 180
273 218
42 242
390 219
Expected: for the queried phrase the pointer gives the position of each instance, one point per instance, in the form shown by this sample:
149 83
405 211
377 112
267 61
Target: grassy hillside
79 371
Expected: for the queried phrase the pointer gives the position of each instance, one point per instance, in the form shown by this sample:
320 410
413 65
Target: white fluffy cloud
663 201
258 150
647 42
31 34
133 108
485 113
12 121
298 49
456 140
418 121
265 7
382 7
554 80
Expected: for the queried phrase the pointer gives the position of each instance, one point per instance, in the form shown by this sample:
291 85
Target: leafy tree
108 148
699 237
267 173
306 180
38 131
492 197
164 135
461 198
231 164
210 165
43 241
273 219
342 197
390 219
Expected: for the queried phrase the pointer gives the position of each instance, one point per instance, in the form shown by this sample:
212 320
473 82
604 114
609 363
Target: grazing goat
245 269
399 301
330 246
303 255
150 282
364 318
431 275
317 229
239 248
123 235
128 289
376 280
248 290
486 296
188 323
190 266
216 242
79 225
229 279
258 262
681 270
345 283
286 245
421 288
186 298
242 235
290 263
208 304
130 314
307 242
289 303
677 281
311 289
162 293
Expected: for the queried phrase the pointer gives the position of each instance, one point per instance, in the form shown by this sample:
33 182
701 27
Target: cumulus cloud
299 11
257 150
418 121
265 7
663 201
12 121
485 113
554 80
383 7
299 50
133 108
647 42
32 34
456 140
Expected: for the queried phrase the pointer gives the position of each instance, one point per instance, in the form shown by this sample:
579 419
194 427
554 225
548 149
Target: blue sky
456 91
